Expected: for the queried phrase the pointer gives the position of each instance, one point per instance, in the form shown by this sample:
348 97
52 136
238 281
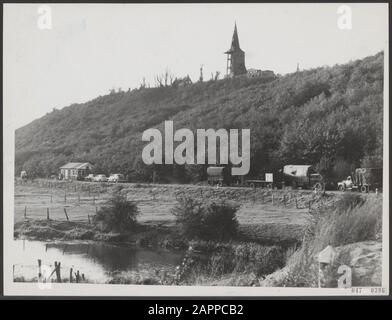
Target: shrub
220 221
117 214
189 216
209 221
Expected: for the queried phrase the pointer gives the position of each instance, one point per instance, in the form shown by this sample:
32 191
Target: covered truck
303 176
363 179
218 175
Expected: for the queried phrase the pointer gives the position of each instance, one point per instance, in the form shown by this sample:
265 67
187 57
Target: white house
75 170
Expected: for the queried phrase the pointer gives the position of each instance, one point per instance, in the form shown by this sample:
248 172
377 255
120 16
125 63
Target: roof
297 170
213 171
328 255
235 43
298 166
76 165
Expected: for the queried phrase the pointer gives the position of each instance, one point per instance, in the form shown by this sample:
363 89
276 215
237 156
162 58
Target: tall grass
211 261
351 219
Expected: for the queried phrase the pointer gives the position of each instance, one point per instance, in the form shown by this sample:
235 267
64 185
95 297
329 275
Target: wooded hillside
331 117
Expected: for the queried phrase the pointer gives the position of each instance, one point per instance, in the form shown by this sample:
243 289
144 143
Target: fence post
272 198
25 212
77 276
66 215
70 275
58 272
39 270
47 213
78 197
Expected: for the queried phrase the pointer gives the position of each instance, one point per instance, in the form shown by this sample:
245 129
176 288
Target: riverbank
144 235
278 234
200 258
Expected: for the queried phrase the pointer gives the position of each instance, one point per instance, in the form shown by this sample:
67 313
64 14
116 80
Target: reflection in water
93 259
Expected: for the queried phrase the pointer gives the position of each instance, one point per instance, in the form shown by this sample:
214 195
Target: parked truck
363 179
302 176
219 176
266 182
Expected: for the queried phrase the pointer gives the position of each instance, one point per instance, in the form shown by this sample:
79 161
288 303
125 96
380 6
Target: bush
209 221
117 214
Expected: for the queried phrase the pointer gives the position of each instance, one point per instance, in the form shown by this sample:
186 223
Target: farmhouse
75 170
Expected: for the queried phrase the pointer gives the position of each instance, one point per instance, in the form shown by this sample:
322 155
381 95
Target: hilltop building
235 57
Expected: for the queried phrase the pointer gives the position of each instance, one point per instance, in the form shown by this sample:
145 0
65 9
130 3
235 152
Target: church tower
235 57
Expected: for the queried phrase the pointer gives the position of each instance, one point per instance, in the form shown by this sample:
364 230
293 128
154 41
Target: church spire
235 56
235 43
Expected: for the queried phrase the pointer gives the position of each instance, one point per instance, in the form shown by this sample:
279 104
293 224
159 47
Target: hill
331 117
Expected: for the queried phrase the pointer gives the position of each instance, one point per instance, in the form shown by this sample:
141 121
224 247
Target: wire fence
42 200
46 273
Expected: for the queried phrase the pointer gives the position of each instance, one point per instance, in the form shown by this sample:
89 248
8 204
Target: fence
47 273
58 203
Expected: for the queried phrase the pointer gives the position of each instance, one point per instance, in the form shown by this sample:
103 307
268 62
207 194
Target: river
96 260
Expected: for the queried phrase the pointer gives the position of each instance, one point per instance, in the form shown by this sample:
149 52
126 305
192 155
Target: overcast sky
93 48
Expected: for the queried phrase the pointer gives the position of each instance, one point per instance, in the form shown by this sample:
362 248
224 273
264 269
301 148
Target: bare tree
159 81
143 84
164 80
201 73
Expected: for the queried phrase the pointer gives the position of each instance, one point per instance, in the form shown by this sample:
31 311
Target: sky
93 48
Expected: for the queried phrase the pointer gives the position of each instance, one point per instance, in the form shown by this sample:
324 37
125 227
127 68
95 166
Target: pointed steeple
235 56
235 43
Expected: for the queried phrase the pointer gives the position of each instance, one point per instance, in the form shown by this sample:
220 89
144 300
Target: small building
257 73
75 170
182 82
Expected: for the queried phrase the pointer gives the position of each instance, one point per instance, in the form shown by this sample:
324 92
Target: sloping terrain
329 116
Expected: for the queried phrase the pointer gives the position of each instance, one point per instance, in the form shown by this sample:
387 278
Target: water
98 261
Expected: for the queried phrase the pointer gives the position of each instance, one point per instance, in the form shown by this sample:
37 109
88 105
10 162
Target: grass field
263 213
